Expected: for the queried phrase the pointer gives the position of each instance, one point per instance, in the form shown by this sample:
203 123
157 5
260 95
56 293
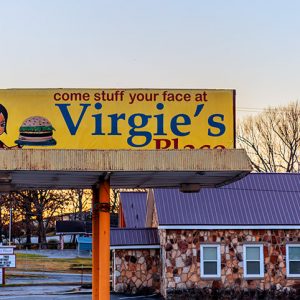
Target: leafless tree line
272 139
34 212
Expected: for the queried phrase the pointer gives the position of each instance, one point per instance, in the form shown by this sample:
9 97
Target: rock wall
137 271
181 264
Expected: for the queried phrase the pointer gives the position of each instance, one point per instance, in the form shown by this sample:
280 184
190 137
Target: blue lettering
133 133
175 123
215 124
66 115
160 121
114 123
98 121
198 109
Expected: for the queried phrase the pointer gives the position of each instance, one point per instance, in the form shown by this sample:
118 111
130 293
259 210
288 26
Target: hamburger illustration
36 131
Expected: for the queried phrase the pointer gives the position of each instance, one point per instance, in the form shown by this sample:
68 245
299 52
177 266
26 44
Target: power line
256 109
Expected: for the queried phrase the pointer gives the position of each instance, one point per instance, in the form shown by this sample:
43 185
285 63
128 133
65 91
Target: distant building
243 236
82 230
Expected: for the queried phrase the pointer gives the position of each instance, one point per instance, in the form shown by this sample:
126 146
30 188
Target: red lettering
205 147
219 147
189 147
57 95
166 143
159 143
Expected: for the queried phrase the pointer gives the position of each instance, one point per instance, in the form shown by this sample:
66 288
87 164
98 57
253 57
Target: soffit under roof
65 169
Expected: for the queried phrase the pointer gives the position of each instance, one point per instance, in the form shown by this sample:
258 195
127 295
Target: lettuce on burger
36 131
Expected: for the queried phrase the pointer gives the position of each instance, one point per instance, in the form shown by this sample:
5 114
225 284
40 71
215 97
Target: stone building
239 237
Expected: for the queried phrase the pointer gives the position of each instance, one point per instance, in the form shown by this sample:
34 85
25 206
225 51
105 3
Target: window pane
253 268
294 253
252 253
294 267
210 268
210 253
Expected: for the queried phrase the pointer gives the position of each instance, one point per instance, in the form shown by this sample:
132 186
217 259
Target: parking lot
78 296
124 297
59 292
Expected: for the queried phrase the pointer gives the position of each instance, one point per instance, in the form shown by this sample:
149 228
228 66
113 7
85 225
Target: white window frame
261 261
218 261
288 260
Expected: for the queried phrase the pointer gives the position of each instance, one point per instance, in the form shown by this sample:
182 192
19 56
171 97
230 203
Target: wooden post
101 242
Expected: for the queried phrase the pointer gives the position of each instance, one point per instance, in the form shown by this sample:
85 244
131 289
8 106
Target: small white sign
1 276
6 250
7 261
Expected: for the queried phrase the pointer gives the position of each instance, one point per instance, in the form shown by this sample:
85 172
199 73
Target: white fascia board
71 233
135 247
211 227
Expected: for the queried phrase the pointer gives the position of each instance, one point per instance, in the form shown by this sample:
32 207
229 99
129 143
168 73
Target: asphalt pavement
58 292
45 285
49 285
37 292
75 297
13 277
49 297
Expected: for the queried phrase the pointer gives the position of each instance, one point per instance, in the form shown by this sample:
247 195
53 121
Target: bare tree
34 210
272 139
41 205
114 200
79 202
4 214
22 212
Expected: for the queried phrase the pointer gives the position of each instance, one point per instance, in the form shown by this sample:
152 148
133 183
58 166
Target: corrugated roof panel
134 208
258 199
133 237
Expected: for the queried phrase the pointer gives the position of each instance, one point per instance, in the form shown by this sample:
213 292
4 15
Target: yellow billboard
117 118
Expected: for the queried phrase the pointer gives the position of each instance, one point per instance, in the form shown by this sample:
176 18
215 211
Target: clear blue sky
252 46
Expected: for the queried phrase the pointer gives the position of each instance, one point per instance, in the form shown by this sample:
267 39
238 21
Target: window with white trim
293 260
210 261
253 261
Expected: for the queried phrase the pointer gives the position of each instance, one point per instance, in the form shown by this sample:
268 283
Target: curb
46 284
72 293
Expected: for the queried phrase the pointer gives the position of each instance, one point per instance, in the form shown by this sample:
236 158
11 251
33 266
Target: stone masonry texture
181 259
137 271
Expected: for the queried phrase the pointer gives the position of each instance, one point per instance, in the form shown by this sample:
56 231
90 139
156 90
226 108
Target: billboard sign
117 118
7 261
6 250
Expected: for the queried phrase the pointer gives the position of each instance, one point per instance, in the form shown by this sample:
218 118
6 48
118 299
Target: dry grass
38 263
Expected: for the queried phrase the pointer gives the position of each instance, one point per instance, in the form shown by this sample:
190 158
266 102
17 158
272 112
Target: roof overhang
228 227
136 247
66 169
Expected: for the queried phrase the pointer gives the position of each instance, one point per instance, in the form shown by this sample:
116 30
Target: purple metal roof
134 208
257 199
131 237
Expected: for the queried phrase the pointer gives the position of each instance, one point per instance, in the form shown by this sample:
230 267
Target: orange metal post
104 239
95 245
101 242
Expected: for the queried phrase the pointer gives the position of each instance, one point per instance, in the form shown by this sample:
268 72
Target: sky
251 46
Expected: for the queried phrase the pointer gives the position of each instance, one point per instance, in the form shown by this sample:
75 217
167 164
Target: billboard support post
101 239
95 245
